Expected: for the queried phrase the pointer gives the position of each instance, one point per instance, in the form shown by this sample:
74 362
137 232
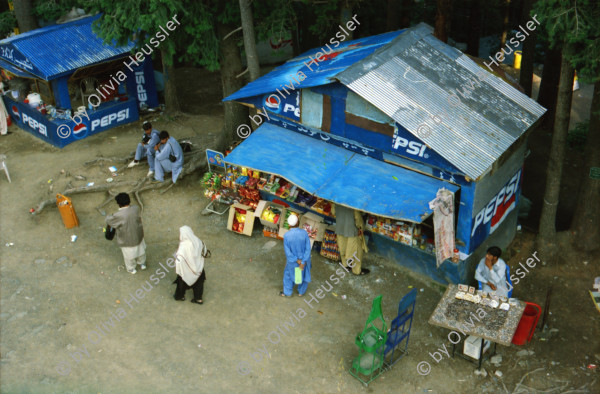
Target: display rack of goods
271 215
329 247
206 178
284 190
212 180
404 232
261 183
293 194
272 184
241 180
249 194
251 183
322 206
305 199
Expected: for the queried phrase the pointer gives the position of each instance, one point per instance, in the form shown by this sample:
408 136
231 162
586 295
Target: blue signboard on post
215 158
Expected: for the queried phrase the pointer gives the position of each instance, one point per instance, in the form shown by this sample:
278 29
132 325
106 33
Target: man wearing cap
296 244
146 147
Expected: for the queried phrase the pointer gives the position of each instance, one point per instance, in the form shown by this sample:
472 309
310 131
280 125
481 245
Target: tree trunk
546 238
474 28
587 215
345 17
526 75
231 65
24 14
171 100
505 23
296 36
405 12
391 21
443 17
549 84
249 39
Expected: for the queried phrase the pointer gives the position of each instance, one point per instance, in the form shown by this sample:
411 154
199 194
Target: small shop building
382 124
54 73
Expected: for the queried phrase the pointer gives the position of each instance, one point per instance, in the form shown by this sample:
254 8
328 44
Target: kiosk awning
338 175
14 69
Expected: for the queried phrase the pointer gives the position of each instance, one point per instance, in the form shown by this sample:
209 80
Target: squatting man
169 158
146 148
163 152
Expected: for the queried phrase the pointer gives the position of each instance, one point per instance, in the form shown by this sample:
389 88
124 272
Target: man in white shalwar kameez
130 232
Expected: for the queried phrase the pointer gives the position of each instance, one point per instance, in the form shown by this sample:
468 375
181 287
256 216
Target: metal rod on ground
547 307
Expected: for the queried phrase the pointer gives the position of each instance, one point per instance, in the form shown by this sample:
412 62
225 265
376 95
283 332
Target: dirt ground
69 322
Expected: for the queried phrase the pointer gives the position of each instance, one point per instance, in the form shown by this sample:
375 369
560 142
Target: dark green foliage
576 22
578 136
51 10
7 23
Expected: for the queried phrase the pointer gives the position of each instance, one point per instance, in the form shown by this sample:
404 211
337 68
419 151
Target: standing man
297 252
349 226
169 158
146 147
491 272
130 233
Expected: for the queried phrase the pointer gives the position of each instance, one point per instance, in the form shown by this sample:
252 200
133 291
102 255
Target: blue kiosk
65 64
381 124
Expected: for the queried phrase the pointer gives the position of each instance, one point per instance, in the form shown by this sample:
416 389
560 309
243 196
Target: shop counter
61 132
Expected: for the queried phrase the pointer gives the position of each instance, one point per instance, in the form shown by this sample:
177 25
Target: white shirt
496 275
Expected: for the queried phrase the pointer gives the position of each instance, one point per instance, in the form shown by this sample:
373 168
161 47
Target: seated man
491 272
169 158
146 147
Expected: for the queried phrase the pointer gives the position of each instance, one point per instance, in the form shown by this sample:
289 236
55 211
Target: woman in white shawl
189 265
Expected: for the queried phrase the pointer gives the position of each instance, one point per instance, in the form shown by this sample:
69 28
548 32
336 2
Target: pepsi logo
272 102
80 128
80 131
15 112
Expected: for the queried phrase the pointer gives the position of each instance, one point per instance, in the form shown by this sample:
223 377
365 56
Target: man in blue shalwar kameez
169 147
297 252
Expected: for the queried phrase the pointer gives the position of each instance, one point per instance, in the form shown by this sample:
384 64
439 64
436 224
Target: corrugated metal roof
15 70
417 80
343 56
59 49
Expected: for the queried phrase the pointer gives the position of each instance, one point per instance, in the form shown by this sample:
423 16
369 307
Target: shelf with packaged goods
417 236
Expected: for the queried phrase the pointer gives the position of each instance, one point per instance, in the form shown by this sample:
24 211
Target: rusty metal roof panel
434 91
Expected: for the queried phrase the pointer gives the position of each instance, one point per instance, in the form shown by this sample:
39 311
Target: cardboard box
314 221
282 229
248 223
270 233
262 205
473 346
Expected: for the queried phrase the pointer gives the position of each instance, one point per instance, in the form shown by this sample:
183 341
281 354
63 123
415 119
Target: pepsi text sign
108 120
35 125
493 214
140 83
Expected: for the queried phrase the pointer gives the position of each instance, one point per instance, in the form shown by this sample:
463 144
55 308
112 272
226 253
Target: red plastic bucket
527 325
